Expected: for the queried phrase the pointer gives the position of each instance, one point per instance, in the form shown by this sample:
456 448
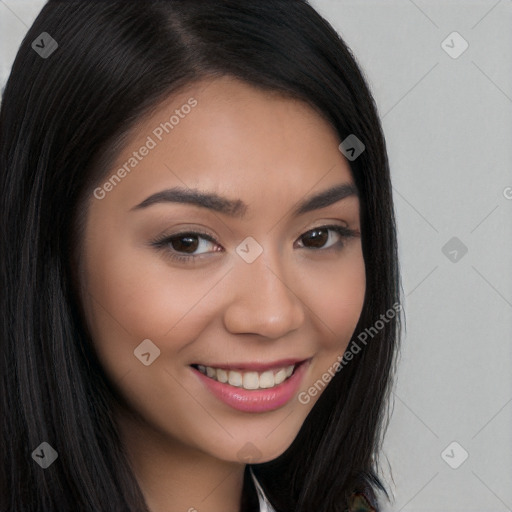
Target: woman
199 271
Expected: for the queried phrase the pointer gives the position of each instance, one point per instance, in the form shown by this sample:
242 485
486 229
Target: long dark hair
62 119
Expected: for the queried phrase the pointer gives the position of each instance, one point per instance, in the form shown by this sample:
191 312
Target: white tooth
267 379
235 379
250 380
280 376
201 368
222 375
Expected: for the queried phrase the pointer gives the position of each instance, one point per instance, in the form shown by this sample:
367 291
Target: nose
263 302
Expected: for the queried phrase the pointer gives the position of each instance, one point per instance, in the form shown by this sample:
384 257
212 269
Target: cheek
337 307
337 298
135 284
135 295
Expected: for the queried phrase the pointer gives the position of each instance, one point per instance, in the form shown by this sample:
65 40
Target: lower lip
258 400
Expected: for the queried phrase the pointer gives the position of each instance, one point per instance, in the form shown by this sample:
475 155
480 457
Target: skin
292 301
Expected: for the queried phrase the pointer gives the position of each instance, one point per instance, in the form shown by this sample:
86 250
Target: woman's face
244 281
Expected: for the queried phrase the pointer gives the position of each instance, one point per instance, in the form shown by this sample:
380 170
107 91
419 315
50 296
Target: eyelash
162 242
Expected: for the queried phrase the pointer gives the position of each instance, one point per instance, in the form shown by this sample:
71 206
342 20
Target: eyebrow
236 207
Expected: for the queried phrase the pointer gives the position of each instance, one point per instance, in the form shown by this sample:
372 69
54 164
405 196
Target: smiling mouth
249 380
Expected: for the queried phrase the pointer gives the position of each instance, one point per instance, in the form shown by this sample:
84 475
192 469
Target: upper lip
258 367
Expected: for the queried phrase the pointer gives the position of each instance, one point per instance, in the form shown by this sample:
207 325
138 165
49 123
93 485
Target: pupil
190 244
318 240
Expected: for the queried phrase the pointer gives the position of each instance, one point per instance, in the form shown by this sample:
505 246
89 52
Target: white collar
265 505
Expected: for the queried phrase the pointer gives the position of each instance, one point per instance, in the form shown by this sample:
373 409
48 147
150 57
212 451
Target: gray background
448 127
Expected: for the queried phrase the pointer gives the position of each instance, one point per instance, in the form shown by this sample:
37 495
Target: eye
182 247
321 234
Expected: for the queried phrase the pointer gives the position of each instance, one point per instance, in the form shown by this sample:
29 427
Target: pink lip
260 400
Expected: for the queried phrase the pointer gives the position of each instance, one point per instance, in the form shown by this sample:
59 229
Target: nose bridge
264 302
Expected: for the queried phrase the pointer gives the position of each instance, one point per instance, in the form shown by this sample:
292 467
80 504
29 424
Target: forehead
229 137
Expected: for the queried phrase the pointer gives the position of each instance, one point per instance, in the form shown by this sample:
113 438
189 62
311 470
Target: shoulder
360 502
